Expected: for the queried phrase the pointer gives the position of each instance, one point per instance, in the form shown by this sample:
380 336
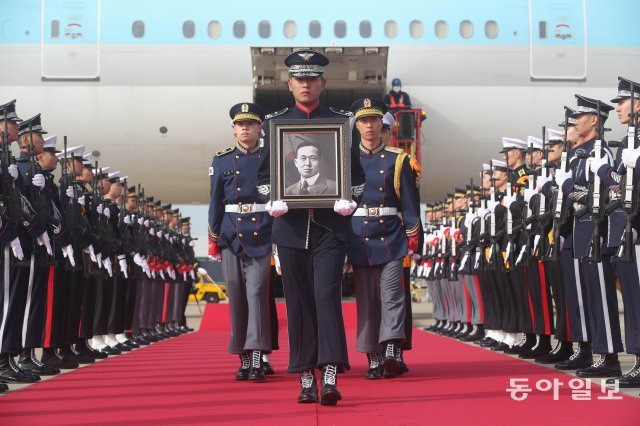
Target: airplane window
214 29
365 29
315 29
416 29
491 29
391 29
340 29
55 28
466 29
264 29
290 29
239 29
137 29
188 29
441 29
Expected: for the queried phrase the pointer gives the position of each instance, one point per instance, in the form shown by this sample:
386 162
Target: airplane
149 83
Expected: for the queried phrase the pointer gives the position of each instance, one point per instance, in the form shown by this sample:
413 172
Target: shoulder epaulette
394 149
275 114
341 111
224 151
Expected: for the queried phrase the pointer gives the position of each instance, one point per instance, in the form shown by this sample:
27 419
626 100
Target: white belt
245 208
376 211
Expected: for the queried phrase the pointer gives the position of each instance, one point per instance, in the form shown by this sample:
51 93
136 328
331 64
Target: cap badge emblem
367 103
245 108
306 56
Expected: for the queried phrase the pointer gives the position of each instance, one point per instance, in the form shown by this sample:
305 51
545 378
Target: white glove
67 251
145 267
13 172
192 243
153 274
146 223
161 274
140 221
99 209
38 180
596 163
541 181
92 254
172 273
137 259
159 234
216 257
193 274
152 231
562 176
202 271
468 219
107 212
43 239
630 157
482 213
16 248
277 208
528 194
127 220
491 205
508 200
107 265
99 260
264 189
123 266
81 200
70 193
344 207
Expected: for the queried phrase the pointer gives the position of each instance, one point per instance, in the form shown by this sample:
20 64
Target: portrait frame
327 141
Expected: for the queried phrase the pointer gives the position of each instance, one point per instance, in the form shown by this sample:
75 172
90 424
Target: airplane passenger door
70 39
558 39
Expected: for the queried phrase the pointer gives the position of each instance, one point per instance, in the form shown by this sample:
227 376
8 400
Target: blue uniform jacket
390 182
234 180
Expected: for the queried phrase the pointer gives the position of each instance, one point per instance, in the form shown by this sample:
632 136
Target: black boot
581 358
606 366
3 387
308 387
245 366
433 326
542 347
11 373
478 334
256 373
68 355
29 362
400 359
82 358
390 364
51 357
83 348
375 367
561 352
630 379
267 367
526 345
487 342
329 394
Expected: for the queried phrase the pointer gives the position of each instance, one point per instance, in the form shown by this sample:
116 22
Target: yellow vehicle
207 290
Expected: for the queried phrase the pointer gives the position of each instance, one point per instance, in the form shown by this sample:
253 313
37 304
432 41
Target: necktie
305 188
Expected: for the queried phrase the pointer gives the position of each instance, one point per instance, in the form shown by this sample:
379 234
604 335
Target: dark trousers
273 313
116 307
487 290
539 297
603 306
60 308
13 298
35 315
312 280
102 305
630 286
505 303
553 275
131 287
523 306
88 300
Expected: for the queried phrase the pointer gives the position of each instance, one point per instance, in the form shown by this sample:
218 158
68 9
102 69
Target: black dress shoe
390 363
541 348
630 379
245 366
375 370
513 350
329 394
581 358
110 350
500 347
488 342
82 347
256 372
560 353
50 357
606 366
121 347
309 388
29 362
3 387
267 368
400 358
11 373
66 354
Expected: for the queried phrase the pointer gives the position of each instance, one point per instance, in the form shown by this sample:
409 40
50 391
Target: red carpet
190 379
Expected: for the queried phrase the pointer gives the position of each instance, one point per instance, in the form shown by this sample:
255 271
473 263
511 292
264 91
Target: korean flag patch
210 171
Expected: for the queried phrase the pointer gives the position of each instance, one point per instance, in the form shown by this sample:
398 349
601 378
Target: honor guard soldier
311 245
379 241
240 238
595 268
622 180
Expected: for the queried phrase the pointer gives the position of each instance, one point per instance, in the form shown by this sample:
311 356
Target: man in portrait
308 160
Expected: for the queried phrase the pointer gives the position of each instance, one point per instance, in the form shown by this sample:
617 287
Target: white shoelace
599 362
256 358
13 366
306 378
246 361
575 354
329 375
398 353
373 360
34 359
390 352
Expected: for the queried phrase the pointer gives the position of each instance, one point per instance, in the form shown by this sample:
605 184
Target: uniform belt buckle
246 208
373 212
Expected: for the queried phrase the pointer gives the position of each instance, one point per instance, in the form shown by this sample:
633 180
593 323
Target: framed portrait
310 161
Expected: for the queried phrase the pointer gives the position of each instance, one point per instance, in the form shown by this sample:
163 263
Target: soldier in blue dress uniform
380 239
240 238
312 247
